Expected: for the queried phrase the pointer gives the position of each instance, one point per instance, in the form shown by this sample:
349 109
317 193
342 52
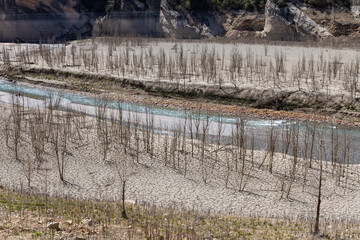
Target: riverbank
315 82
175 172
134 91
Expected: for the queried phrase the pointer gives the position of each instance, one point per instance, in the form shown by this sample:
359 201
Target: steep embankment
292 20
34 20
38 7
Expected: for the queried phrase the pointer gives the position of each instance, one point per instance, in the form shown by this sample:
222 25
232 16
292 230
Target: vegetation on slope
102 6
27 215
246 4
196 5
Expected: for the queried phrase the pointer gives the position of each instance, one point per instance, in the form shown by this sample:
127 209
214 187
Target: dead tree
271 147
295 148
37 136
318 206
59 139
218 136
27 167
16 114
125 169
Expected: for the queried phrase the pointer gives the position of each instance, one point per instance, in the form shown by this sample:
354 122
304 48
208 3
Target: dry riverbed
131 94
195 177
214 186
306 79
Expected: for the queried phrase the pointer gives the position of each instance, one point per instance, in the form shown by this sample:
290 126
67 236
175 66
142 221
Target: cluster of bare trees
186 146
32 133
294 154
184 63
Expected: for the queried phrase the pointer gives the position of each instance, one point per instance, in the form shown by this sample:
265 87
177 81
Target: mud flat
204 187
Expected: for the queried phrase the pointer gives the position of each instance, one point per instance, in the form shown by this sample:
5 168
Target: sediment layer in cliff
35 20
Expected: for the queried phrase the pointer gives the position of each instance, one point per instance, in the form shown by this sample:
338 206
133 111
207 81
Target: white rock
87 222
54 226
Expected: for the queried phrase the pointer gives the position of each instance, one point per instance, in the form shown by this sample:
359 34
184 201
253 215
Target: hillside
205 5
272 19
290 20
259 5
38 6
241 18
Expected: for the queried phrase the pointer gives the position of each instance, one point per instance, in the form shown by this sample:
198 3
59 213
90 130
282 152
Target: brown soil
342 23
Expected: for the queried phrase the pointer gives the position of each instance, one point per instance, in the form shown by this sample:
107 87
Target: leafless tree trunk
317 219
271 147
295 140
17 118
59 143
218 136
125 169
28 169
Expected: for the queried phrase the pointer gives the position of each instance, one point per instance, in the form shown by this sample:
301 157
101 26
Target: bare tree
271 147
16 114
318 206
295 148
37 136
125 169
59 142
28 168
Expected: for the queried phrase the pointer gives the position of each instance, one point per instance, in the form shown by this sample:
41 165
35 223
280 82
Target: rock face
290 23
136 23
175 24
355 8
34 20
131 18
243 23
183 24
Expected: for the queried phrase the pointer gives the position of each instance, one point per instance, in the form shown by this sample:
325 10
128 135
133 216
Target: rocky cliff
130 18
32 20
290 23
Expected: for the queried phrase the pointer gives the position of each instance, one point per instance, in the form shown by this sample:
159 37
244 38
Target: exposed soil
134 91
342 23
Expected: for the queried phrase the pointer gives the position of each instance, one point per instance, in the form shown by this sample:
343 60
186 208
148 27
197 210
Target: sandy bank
211 182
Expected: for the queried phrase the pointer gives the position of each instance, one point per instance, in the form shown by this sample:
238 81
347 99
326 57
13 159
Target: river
341 143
